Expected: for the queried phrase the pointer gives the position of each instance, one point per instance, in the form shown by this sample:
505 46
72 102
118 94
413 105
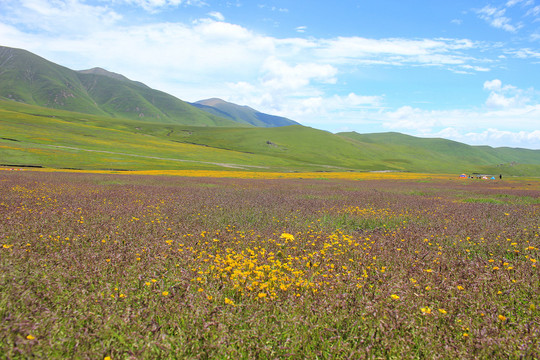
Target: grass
130 266
36 136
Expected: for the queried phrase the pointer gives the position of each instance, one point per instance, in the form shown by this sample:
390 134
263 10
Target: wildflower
165 293
229 301
425 310
465 335
442 311
502 318
459 287
261 295
30 337
209 297
287 236
394 296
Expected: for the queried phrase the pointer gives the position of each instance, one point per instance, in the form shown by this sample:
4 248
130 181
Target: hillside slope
30 79
442 155
37 136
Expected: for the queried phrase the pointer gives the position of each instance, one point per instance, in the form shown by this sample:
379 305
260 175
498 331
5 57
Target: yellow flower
229 301
442 311
287 236
107 358
465 335
165 293
502 318
425 310
262 295
394 296
460 287
30 337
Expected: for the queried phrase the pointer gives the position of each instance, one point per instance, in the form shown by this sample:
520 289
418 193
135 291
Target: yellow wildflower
229 301
425 310
286 236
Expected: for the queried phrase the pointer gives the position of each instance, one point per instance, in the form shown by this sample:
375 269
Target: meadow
111 266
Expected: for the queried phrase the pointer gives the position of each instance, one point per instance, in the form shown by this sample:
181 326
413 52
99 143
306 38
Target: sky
461 70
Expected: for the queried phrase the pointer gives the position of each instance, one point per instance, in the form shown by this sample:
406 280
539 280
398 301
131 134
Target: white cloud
496 18
507 96
395 51
279 75
498 138
493 85
533 11
217 15
301 29
156 5
60 16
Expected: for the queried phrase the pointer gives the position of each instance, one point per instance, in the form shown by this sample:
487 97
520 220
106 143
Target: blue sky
462 70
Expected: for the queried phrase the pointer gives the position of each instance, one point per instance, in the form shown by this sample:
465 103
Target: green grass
37 136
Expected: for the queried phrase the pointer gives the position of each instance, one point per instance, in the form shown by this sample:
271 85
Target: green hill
30 79
37 136
242 114
440 155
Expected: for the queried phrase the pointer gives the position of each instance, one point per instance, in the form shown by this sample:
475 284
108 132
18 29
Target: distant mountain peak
242 113
101 71
211 102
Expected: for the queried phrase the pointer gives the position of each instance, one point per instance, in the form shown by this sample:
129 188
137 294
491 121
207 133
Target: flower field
97 266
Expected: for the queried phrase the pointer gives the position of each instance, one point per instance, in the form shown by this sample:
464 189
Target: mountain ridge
31 79
242 113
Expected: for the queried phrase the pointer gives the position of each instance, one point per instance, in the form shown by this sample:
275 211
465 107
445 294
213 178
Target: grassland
128 266
36 136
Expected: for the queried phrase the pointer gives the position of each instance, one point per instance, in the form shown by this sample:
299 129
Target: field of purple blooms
98 266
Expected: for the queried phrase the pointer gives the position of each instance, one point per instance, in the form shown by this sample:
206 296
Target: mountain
242 114
30 79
